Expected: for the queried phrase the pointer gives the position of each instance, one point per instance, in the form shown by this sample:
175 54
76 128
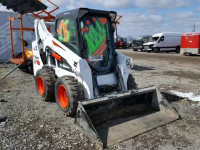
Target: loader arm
46 44
45 39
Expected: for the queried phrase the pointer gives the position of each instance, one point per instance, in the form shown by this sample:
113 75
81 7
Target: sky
143 17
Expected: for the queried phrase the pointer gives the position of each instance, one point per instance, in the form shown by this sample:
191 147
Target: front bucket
113 119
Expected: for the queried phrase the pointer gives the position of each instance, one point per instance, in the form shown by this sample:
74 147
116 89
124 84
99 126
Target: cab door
161 43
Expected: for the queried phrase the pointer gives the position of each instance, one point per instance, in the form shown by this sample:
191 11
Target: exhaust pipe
115 118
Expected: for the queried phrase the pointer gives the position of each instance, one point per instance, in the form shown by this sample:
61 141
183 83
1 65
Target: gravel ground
27 123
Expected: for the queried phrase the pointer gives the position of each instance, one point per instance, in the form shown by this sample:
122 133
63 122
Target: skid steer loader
90 79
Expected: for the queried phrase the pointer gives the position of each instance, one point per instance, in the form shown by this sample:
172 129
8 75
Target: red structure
47 16
190 43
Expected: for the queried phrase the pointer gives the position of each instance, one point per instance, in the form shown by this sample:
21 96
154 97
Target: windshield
146 38
66 33
154 39
98 39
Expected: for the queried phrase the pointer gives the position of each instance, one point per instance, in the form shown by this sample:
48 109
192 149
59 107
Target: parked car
169 41
121 43
130 42
138 43
190 43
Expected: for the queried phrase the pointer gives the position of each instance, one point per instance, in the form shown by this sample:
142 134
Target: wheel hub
40 85
63 96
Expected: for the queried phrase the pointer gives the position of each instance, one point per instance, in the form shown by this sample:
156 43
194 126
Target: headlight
29 53
129 63
150 46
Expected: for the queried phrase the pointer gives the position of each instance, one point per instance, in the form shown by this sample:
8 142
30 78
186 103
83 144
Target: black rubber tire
27 67
178 49
47 74
75 94
131 84
156 50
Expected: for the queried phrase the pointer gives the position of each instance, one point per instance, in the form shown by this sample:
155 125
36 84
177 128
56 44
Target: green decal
64 33
95 37
60 38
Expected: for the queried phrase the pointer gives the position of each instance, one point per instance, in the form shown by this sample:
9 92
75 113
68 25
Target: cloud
197 9
69 4
182 15
135 23
3 8
136 18
161 3
184 21
112 3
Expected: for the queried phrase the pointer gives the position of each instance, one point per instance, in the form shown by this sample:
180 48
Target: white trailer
168 41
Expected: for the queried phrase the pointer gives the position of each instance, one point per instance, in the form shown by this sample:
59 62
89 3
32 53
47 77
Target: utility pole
194 27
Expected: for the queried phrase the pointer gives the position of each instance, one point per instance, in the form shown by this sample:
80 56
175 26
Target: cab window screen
96 33
66 33
99 42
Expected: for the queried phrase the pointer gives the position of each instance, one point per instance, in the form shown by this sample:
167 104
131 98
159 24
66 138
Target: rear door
170 43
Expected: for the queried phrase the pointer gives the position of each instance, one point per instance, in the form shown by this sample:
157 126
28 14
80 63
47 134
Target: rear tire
45 82
68 93
131 84
178 49
156 50
27 67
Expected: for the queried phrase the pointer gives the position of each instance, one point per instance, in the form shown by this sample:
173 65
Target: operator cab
89 34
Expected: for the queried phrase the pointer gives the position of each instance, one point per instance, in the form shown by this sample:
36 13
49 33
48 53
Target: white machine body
79 67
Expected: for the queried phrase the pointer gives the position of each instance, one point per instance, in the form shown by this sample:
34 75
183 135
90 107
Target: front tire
68 92
45 82
156 50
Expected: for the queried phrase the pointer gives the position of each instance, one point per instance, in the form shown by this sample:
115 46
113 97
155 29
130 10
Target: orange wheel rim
63 96
40 85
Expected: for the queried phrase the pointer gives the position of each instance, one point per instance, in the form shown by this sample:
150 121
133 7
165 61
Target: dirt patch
33 124
183 74
173 58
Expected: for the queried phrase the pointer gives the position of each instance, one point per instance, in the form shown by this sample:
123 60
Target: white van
168 41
